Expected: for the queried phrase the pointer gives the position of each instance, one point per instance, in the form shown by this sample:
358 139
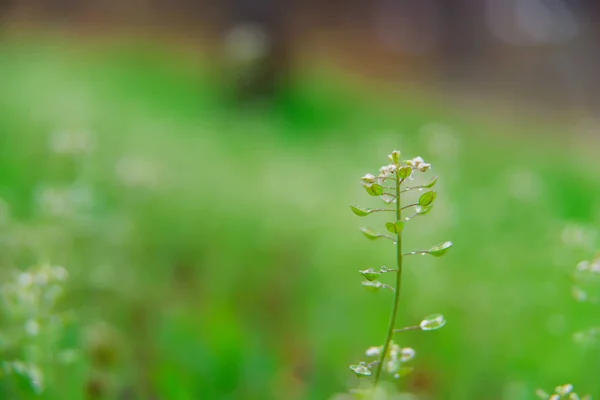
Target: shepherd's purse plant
392 185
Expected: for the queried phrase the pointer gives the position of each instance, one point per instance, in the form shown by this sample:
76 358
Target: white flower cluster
396 164
34 289
562 392
587 266
419 163
29 301
586 286
396 356
64 201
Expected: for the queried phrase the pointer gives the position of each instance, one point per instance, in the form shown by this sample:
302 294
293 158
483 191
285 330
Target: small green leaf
395 227
361 369
374 189
433 322
431 183
404 172
440 249
399 226
427 198
360 211
422 210
391 227
370 233
370 274
374 286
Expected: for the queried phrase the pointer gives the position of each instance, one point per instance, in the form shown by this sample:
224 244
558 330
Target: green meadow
208 250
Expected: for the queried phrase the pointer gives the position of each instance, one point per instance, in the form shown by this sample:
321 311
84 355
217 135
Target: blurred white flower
73 143
419 163
137 172
373 351
32 327
407 354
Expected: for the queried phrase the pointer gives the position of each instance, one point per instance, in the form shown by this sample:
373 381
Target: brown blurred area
541 50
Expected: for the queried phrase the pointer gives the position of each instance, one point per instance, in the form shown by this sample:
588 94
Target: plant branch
410 205
412 253
399 256
408 328
411 217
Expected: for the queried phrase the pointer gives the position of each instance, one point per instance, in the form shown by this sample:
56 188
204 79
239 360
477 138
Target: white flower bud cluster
562 392
29 301
396 356
419 163
396 164
586 286
31 371
587 266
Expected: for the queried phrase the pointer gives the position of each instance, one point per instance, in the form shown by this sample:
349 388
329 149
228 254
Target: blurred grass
217 245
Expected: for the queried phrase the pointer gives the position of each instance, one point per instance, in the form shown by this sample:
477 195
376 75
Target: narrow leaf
431 183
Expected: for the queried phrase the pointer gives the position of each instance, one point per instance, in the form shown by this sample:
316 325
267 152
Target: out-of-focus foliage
208 251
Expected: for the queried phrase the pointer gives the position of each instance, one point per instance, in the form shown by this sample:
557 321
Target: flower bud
395 156
368 178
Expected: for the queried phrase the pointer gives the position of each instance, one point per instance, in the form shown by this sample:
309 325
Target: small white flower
564 389
368 178
386 171
407 354
32 327
41 278
542 394
583 265
392 366
419 164
25 279
373 351
59 273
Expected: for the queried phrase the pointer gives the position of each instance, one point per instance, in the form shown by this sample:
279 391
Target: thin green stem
391 327
380 209
413 253
410 205
408 328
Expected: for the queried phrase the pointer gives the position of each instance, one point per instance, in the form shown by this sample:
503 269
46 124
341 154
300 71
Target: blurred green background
209 246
